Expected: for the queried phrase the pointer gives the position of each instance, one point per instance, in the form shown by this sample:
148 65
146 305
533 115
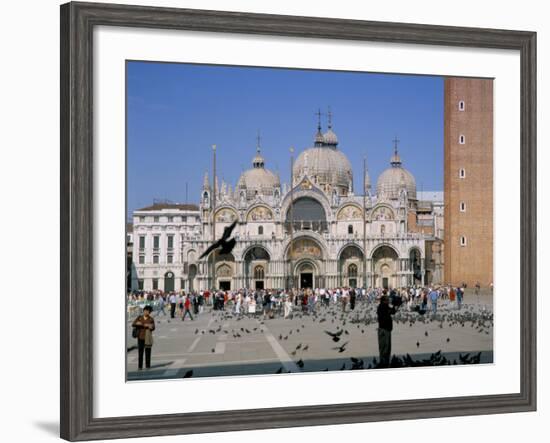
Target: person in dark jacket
385 326
145 325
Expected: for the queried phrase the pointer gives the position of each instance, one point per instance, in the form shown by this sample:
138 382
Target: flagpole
291 217
214 216
364 223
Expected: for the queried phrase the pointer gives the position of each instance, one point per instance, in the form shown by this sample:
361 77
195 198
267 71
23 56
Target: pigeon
306 347
448 339
300 363
341 348
299 346
335 335
188 374
224 244
213 350
417 344
426 333
279 371
196 331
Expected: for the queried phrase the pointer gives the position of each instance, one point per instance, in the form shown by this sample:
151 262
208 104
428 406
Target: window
350 229
461 105
141 242
260 230
155 283
128 239
462 173
461 139
462 207
184 219
259 273
170 242
352 270
156 241
170 258
142 218
141 259
155 259
156 219
140 284
462 241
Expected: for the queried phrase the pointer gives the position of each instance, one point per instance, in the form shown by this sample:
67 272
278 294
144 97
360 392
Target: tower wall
471 262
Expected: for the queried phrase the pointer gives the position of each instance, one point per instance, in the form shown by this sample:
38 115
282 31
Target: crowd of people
276 302
283 303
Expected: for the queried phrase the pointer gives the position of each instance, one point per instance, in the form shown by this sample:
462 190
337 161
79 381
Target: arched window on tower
260 230
350 229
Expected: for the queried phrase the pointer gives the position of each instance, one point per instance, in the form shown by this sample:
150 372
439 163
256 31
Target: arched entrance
225 270
191 277
306 273
256 262
350 263
415 265
169 281
384 262
305 250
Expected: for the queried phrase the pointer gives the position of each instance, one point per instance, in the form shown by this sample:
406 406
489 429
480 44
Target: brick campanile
468 181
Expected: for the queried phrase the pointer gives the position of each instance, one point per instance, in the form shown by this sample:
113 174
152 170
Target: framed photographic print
326 221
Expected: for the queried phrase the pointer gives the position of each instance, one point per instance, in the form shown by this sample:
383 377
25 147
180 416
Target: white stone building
389 236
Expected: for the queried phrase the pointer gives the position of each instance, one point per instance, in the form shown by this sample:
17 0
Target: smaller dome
330 138
395 179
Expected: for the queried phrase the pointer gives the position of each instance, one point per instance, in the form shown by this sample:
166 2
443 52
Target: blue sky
177 111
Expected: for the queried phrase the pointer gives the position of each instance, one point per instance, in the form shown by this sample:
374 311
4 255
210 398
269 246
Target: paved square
219 343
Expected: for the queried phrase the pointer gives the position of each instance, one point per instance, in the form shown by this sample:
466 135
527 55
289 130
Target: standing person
385 326
459 297
352 296
433 296
172 305
452 295
187 308
160 305
145 325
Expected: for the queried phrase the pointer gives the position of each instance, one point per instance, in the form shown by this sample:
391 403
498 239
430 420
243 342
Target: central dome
325 164
394 179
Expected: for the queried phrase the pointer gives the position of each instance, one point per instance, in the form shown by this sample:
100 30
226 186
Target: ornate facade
315 232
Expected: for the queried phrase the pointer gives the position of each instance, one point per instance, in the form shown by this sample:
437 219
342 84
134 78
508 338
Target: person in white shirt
172 305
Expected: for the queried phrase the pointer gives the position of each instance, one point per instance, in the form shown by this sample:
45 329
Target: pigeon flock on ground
340 328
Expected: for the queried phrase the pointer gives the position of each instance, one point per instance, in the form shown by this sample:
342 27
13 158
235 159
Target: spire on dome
258 161
319 139
395 160
206 182
330 137
366 178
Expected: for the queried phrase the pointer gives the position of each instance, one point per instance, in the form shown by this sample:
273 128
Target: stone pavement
217 343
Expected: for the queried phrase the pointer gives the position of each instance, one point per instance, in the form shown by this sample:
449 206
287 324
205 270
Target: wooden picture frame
77 23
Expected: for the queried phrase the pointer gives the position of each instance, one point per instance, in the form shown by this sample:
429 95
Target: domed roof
394 179
259 178
330 137
328 166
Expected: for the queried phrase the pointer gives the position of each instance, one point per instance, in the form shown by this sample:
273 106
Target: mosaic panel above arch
260 213
349 212
226 215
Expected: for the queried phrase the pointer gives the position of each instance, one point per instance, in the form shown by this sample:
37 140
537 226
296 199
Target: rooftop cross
318 114
329 118
258 140
395 142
